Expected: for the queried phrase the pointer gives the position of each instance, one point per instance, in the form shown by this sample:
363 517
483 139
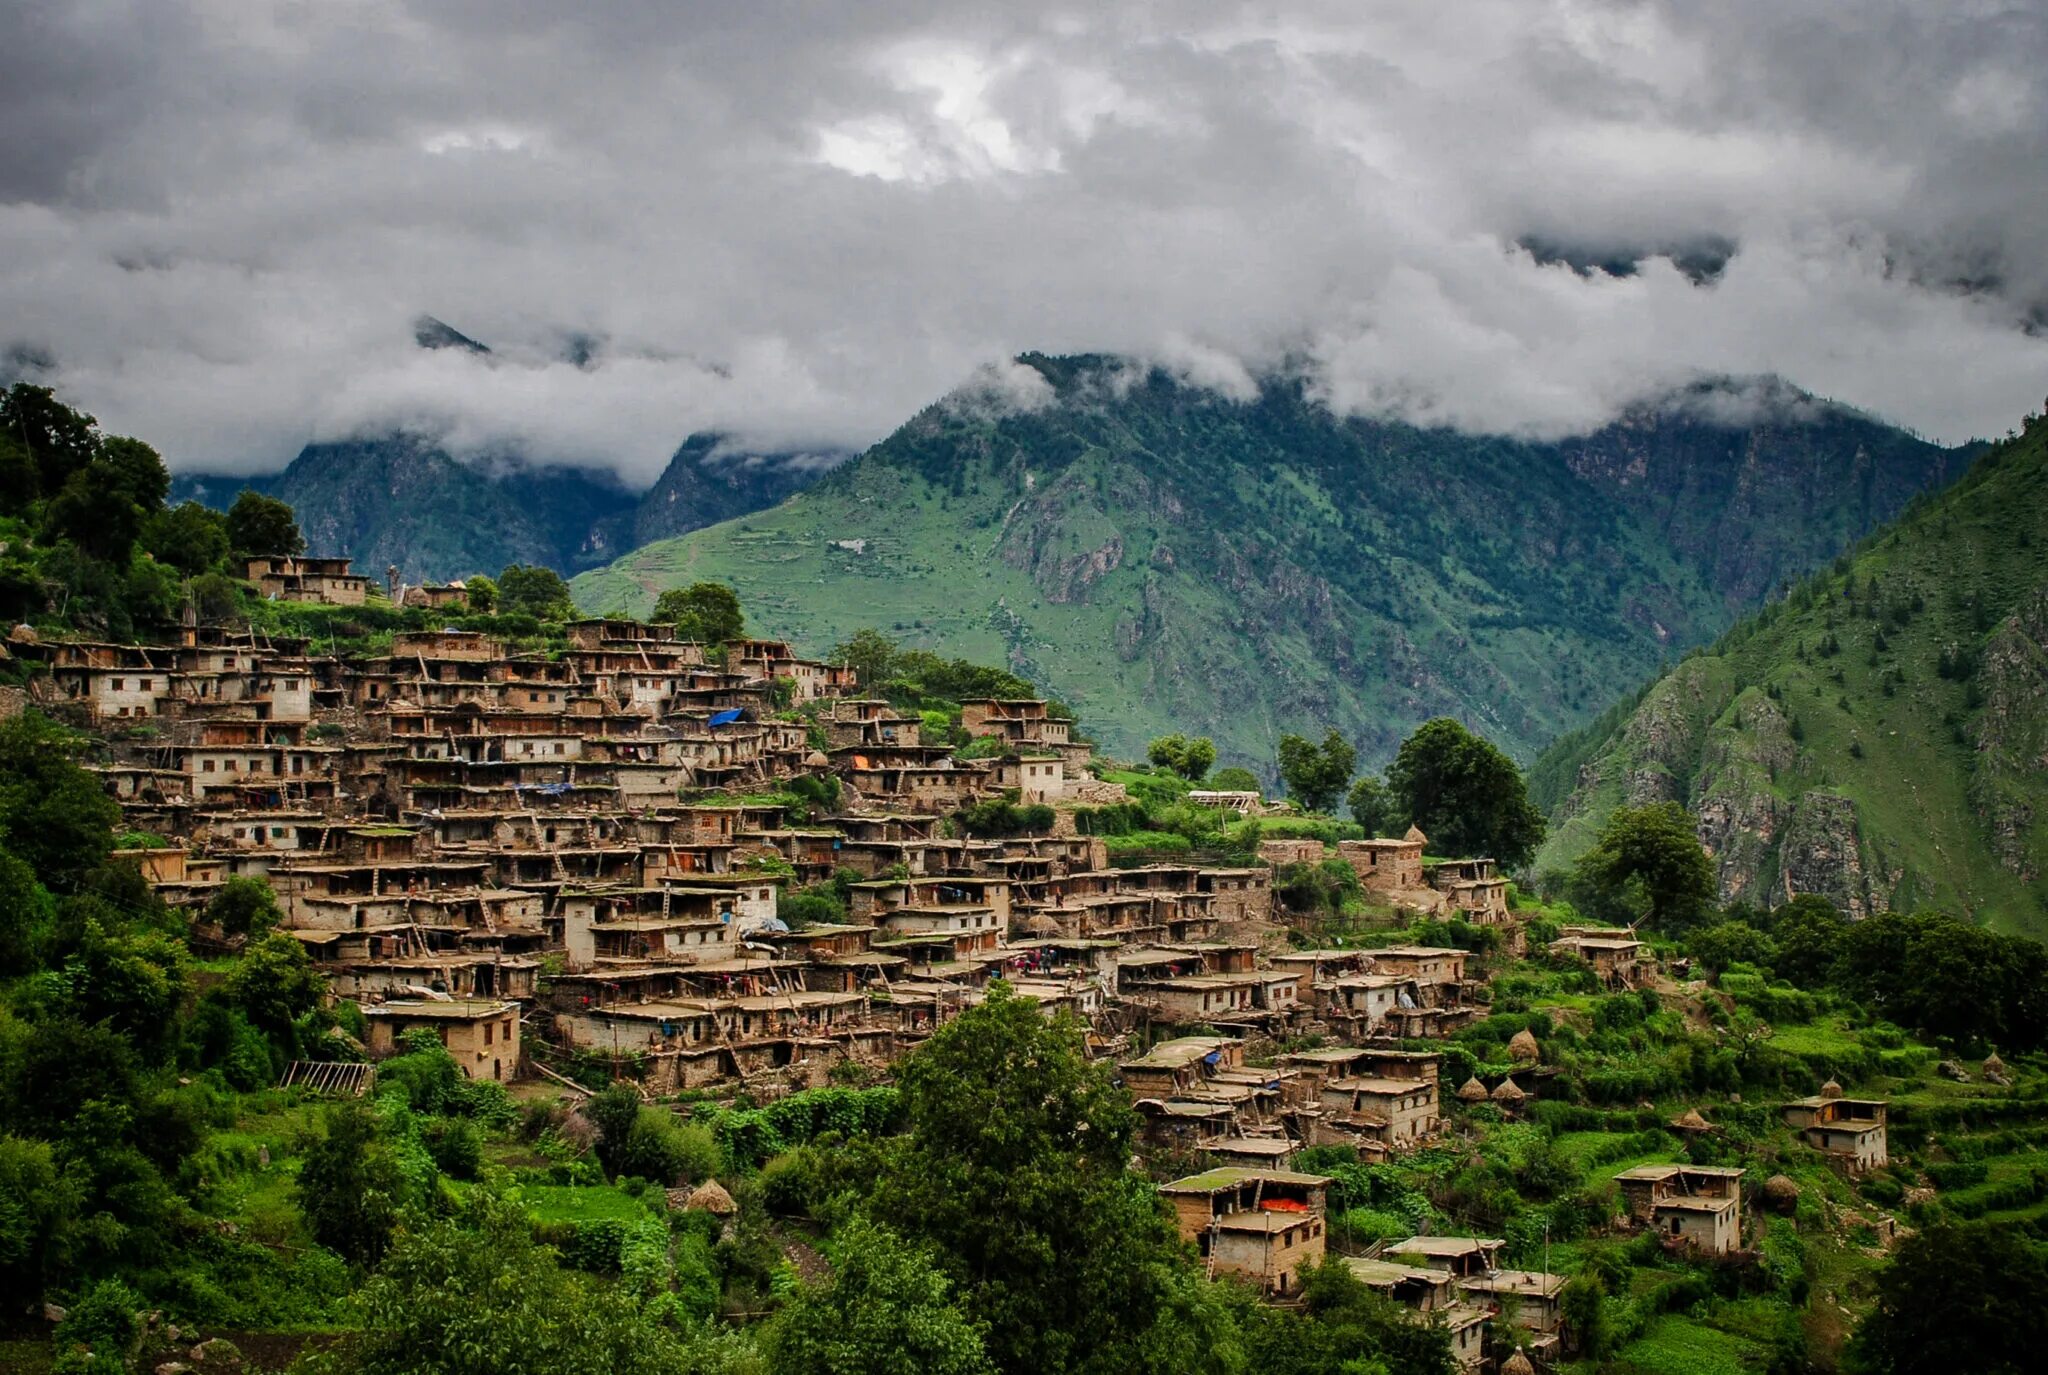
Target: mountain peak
430 333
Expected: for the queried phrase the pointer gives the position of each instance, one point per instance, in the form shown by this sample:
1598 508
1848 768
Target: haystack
1508 1092
1517 1364
1780 1192
1472 1091
1831 1089
1523 1047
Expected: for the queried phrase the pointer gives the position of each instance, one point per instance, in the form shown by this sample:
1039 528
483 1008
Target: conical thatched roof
1993 1065
1781 1190
816 760
1517 1364
1691 1121
1415 836
1523 1046
712 1198
1831 1089
1472 1091
1508 1092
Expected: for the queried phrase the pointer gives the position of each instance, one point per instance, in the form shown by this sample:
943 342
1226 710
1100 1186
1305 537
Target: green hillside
1881 736
402 501
1163 557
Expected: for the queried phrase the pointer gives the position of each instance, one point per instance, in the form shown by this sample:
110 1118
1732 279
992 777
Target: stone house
482 1035
298 578
1699 1205
1849 1131
1262 1225
1616 955
1386 866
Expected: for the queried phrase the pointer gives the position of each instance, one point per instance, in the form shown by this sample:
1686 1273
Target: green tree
39 1204
188 537
216 597
133 982
1959 1297
53 814
888 1311
1949 979
706 612
530 590
1648 865
350 1187
102 1332
258 524
1016 1172
475 1294
1315 775
243 906
1464 794
134 471
1586 1316
1729 942
1371 804
1190 758
869 653
1235 780
482 593
104 506
26 915
1808 935
274 984
58 440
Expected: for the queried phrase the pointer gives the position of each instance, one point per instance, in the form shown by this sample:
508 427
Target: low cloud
798 224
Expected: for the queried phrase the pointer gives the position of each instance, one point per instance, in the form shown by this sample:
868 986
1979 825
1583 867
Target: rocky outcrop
2011 735
1822 852
1740 813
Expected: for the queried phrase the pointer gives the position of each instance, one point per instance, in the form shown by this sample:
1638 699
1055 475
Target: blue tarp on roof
724 718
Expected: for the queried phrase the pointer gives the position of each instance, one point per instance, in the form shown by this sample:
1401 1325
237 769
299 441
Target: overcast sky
802 221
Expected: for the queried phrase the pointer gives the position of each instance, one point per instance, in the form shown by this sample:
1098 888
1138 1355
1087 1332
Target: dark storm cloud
798 222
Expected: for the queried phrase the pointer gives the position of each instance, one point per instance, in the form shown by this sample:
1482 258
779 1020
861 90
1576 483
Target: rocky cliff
1879 737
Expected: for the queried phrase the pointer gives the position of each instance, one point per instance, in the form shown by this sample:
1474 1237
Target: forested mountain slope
403 501
1880 737
1164 557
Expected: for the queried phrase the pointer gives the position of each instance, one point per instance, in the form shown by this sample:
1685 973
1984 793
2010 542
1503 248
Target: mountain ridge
1880 736
402 500
1165 557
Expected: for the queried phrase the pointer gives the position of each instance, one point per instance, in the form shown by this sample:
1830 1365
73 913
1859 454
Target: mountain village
543 858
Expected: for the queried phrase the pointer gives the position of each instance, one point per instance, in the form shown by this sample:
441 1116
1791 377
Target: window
207 767
488 1028
119 684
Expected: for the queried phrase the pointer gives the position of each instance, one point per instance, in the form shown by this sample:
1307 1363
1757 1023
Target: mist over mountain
403 501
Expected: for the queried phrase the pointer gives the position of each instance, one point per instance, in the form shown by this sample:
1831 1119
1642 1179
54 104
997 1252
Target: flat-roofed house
1263 1225
482 1034
1615 954
1850 1131
1700 1205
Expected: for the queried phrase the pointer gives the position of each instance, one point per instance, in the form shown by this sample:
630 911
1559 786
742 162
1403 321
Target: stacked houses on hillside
602 839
